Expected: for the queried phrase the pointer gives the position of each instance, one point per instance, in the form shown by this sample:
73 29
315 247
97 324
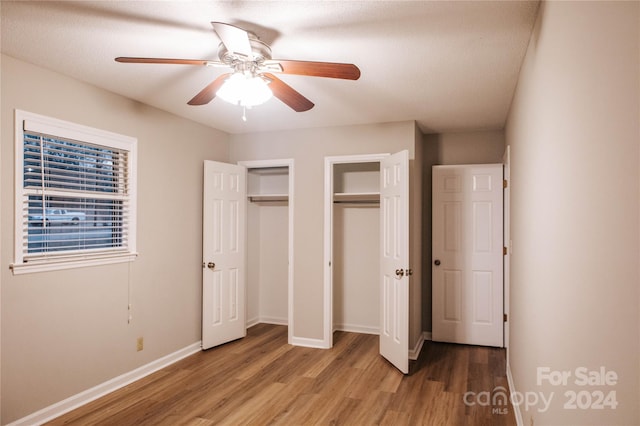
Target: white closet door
394 261
224 271
467 254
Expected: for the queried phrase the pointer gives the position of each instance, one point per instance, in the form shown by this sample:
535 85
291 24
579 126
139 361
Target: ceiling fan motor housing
250 60
260 52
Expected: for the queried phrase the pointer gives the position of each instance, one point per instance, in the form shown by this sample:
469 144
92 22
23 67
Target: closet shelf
267 197
359 197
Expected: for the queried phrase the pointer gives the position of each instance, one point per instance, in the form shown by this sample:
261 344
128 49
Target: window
75 195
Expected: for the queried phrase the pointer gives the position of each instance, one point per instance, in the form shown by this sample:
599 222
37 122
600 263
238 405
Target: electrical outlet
140 344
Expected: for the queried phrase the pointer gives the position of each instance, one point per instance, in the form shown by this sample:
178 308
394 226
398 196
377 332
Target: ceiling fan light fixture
251 81
245 90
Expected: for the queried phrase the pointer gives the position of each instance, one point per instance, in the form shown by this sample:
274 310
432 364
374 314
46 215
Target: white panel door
223 277
468 254
394 261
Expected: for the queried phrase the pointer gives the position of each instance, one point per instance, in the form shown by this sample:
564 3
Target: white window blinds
76 195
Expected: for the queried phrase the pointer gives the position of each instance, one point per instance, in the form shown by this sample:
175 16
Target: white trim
329 162
355 328
82 398
327 291
30 267
65 129
309 343
265 320
512 389
68 130
284 162
273 320
251 322
506 235
414 353
417 348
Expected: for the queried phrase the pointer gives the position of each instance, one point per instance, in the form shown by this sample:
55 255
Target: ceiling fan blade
288 95
320 69
235 39
165 61
207 94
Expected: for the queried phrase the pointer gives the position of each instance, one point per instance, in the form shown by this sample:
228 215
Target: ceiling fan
252 79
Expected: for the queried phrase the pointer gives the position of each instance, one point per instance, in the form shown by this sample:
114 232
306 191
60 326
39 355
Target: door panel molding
467 266
394 262
223 251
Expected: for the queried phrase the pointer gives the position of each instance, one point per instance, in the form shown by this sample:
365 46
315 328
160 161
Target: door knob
211 265
409 272
399 273
437 262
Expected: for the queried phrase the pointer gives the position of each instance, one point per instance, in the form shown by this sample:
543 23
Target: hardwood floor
262 380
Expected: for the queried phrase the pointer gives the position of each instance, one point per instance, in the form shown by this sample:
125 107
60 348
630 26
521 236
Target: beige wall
308 148
89 317
574 134
80 316
417 281
66 331
356 267
480 147
267 284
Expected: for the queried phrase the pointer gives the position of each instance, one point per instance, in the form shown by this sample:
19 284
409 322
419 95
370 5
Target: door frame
506 233
283 162
329 162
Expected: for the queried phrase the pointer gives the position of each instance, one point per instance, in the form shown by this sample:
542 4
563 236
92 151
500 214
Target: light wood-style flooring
262 380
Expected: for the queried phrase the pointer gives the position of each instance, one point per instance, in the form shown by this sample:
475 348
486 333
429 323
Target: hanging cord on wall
42 184
129 291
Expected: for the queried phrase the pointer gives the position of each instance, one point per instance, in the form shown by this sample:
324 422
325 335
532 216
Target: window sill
45 265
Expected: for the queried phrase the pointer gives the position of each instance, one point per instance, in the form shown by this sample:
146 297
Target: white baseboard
415 352
353 328
253 321
56 410
309 343
512 389
417 348
266 320
82 398
274 320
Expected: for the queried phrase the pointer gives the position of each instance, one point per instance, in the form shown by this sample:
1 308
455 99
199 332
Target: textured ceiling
451 66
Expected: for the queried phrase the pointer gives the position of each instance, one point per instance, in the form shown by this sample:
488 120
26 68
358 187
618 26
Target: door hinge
505 317
504 251
504 183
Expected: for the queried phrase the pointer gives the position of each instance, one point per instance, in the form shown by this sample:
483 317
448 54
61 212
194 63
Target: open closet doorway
356 247
247 248
366 250
270 242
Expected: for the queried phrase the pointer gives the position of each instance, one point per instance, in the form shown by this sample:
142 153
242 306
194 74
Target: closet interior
356 247
267 245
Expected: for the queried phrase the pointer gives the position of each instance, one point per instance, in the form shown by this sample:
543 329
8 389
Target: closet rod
268 199
356 202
